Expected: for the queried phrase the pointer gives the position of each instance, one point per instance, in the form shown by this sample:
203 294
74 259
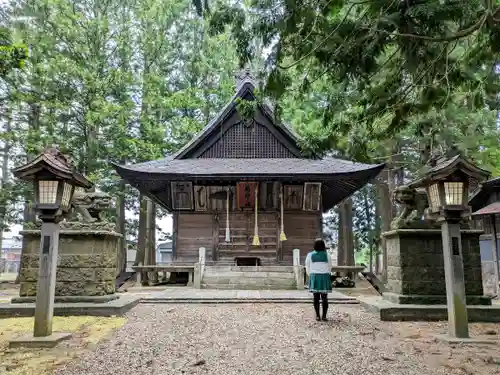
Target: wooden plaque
219 205
293 196
268 195
312 196
182 195
246 194
201 198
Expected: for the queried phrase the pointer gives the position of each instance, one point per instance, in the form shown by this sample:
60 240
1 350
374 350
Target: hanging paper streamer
228 235
282 234
256 241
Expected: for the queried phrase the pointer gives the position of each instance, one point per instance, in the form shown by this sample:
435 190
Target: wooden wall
301 229
194 230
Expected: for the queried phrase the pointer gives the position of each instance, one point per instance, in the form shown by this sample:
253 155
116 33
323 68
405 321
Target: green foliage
246 108
373 71
12 55
108 80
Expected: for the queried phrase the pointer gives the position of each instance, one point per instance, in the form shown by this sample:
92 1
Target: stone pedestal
415 267
86 265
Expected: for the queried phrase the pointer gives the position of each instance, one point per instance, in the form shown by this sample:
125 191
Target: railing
199 268
302 278
190 269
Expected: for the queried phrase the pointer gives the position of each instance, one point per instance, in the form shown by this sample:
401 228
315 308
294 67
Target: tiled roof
492 182
215 166
491 209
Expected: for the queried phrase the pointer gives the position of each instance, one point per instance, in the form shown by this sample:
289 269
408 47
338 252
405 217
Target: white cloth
318 267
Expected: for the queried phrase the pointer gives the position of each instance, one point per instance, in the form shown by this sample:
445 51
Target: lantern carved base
86 265
415 267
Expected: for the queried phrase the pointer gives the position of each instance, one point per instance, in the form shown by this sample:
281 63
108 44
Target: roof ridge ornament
55 151
440 156
244 75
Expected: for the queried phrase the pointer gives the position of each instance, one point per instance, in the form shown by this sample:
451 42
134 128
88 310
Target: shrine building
242 189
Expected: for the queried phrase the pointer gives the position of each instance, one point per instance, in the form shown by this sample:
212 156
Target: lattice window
434 197
248 141
453 192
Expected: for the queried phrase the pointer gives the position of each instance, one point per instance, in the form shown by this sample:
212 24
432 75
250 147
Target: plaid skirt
320 283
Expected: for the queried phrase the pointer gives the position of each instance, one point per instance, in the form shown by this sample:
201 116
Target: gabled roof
244 89
481 195
340 178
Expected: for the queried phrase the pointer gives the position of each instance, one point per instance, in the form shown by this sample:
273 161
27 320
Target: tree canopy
376 69
12 55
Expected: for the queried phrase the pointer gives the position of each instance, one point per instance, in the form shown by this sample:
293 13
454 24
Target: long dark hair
319 245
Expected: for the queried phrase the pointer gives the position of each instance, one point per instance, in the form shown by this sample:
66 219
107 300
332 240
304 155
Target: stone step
232 268
227 260
249 274
249 280
247 287
241 300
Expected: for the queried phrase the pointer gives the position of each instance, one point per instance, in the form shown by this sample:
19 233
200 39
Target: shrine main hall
242 189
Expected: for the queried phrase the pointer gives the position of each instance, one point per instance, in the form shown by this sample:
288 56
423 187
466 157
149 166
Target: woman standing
318 267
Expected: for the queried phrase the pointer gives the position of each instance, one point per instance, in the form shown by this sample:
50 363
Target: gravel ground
280 339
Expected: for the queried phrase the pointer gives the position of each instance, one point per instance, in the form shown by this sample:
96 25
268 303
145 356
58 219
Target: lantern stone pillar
447 185
46 287
54 179
458 322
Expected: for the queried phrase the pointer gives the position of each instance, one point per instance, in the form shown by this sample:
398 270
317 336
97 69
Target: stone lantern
447 186
54 178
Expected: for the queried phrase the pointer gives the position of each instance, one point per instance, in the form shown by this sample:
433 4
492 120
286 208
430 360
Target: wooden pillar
152 239
340 236
142 237
279 244
175 226
215 235
346 238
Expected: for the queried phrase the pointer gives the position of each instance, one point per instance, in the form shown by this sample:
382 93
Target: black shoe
318 318
325 319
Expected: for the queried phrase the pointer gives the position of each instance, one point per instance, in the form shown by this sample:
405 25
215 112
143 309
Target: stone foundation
415 267
86 264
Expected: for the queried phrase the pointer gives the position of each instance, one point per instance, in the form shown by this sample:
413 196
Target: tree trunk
120 228
29 215
376 236
386 215
5 175
142 236
348 234
368 226
346 238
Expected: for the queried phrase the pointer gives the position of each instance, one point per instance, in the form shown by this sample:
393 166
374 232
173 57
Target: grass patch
87 330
